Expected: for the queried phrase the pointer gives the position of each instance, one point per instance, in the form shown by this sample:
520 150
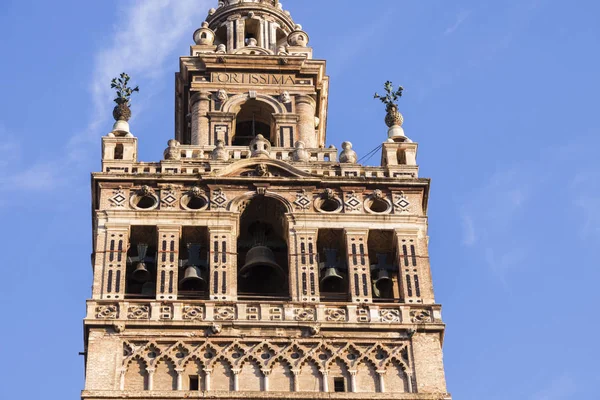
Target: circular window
195 203
144 199
208 355
330 205
377 205
146 202
295 356
265 356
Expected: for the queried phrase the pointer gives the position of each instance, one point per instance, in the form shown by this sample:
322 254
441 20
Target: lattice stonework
408 262
168 256
305 263
358 266
223 263
115 261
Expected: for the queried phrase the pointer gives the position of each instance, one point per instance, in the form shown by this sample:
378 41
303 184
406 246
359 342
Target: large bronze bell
331 279
193 280
382 284
261 274
141 273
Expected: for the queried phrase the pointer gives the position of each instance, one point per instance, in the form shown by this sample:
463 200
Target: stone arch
136 375
193 367
222 368
338 369
396 378
250 378
367 379
281 378
165 376
234 103
310 378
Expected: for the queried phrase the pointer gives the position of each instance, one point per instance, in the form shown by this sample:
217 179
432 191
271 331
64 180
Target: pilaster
359 273
168 262
222 259
304 267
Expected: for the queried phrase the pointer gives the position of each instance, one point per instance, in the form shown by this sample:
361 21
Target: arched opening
333 269
141 263
262 250
384 271
221 36
281 38
253 118
252 30
194 271
119 151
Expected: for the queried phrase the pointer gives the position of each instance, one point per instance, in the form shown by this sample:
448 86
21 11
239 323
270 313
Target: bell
193 280
141 273
149 289
332 281
260 261
382 286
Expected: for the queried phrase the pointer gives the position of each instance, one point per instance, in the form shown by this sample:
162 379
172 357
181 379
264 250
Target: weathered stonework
253 261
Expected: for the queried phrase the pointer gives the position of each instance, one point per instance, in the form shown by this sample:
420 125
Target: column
114 263
266 373
179 378
167 263
223 263
296 373
304 265
200 105
122 379
353 387
207 375
413 263
150 378
381 374
359 269
236 381
325 381
306 109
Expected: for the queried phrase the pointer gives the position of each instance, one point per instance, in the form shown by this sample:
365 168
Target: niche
141 263
384 271
193 263
252 119
333 269
262 251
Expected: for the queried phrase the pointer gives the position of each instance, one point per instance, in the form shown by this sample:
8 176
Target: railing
265 310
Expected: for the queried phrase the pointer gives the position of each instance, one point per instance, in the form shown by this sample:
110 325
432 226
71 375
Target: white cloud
460 19
146 34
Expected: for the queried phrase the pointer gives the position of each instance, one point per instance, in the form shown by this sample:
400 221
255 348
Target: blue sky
502 97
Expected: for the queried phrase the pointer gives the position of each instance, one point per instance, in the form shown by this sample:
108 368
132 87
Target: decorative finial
348 156
122 111
393 119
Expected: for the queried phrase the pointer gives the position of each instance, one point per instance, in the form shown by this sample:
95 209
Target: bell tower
253 260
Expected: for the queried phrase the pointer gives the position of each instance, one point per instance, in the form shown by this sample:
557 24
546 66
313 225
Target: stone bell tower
253 261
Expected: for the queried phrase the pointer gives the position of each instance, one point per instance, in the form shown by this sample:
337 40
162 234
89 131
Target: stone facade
252 261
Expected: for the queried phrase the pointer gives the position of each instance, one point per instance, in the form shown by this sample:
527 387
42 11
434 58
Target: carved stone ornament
348 155
193 313
302 202
172 152
221 49
219 153
219 199
335 315
353 203
224 313
300 154
304 314
262 170
118 199
222 95
285 97
109 311
378 194
329 194
420 316
138 312
145 190
168 198
389 316
393 116
260 147
401 203
216 328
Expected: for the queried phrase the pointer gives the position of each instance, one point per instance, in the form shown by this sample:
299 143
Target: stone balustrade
190 312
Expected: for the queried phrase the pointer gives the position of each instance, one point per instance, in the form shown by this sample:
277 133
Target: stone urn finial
172 152
260 147
348 156
219 153
122 111
300 153
393 118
